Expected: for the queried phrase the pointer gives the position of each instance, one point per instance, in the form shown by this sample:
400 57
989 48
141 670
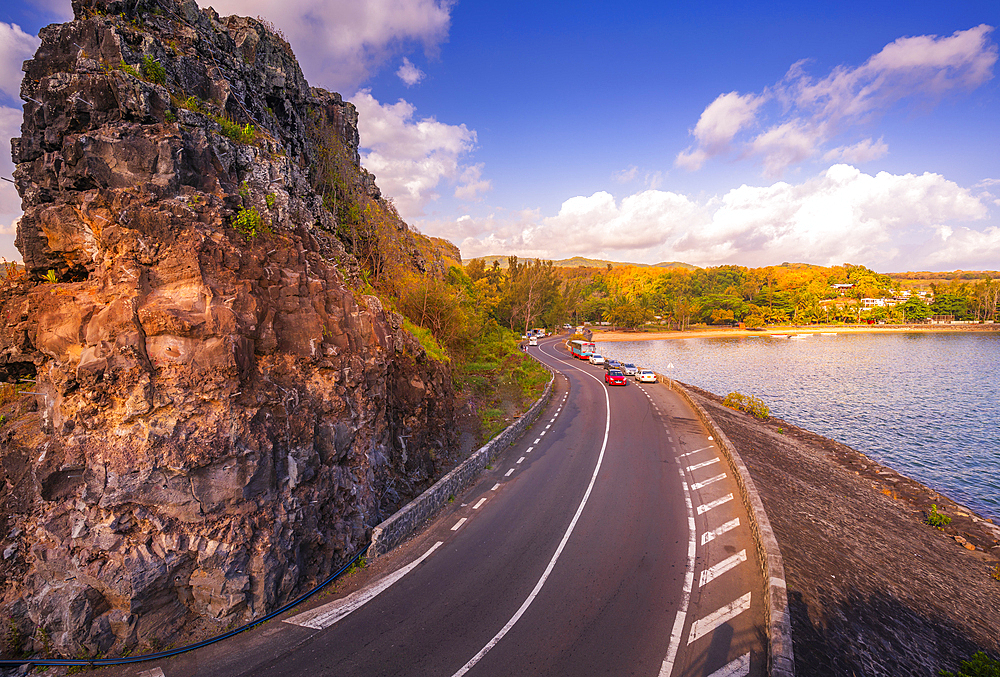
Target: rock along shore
872 589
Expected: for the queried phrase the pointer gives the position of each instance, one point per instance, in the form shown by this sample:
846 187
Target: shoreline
614 336
871 587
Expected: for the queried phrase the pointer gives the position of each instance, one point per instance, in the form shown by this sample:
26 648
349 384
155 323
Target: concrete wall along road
405 522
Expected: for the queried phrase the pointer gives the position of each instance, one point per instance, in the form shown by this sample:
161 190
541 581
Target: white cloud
811 112
885 221
410 157
409 73
626 175
340 43
862 151
16 46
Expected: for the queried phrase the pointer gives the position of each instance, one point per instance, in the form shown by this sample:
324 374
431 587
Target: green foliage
153 71
748 404
980 665
131 70
235 131
995 573
170 116
249 223
937 519
50 277
427 341
270 200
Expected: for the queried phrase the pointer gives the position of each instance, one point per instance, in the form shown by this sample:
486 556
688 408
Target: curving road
609 540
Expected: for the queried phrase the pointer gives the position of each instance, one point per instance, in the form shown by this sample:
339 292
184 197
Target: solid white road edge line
328 614
555 557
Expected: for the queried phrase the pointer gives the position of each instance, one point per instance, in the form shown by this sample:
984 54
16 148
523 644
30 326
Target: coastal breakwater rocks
872 589
218 417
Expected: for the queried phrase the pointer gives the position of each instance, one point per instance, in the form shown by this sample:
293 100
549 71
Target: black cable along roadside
104 662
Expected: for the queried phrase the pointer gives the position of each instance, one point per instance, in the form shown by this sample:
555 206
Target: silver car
628 368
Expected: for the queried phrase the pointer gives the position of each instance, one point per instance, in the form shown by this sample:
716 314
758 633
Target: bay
925 404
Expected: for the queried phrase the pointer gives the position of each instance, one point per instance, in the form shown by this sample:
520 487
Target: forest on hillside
525 294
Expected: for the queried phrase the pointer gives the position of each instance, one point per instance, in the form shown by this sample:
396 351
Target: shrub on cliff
748 404
980 665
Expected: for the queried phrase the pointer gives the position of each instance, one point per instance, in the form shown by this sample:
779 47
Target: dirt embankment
873 589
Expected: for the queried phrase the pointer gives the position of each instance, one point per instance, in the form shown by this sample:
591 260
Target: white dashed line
479 504
509 473
520 459
713 572
495 487
528 450
696 451
459 524
702 627
738 668
715 533
538 440
702 465
155 672
710 480
702 509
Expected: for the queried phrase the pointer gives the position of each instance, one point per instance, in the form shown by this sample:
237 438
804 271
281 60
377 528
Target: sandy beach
720 332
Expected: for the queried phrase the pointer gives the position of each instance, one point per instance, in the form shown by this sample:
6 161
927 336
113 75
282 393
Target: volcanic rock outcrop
219 413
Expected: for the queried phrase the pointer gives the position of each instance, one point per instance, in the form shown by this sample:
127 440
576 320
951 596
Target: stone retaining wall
405 522
779 629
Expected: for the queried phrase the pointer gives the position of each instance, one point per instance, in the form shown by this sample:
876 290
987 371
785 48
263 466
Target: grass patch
937 519
427 340
153 71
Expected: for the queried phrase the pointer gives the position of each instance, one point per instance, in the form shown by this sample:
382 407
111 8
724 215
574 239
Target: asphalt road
602 543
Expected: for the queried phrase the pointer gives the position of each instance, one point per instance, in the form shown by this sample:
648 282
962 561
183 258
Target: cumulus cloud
409 73
411 156
16 46
340 43
885 221
809 112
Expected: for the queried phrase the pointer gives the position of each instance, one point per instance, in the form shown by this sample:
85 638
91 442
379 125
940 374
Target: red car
615 377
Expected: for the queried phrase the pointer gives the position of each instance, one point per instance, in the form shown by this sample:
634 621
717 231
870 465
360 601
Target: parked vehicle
629 369
615 377
533 341
612 364
596 358
645 376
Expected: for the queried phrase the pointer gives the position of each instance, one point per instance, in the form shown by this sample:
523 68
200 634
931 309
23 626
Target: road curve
602 542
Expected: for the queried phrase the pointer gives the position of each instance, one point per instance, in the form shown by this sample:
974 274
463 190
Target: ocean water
925 404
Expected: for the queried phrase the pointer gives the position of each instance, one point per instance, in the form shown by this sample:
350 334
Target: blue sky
709 133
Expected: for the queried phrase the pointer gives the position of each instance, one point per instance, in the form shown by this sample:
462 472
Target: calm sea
925 404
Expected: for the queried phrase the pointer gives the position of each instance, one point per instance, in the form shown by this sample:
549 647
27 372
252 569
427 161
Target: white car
596 359
629 369
645 376
533 341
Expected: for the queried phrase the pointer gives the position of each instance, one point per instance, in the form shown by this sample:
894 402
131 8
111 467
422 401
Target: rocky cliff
219 413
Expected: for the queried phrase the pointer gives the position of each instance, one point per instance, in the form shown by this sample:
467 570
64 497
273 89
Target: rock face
219 415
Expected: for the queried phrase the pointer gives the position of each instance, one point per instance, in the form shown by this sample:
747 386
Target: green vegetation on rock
748 404
980 665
